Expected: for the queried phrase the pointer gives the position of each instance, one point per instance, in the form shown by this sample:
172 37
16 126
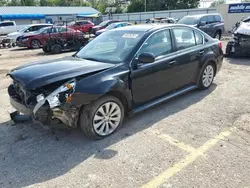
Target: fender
91 88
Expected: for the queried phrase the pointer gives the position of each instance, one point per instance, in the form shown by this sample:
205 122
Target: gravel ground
171 145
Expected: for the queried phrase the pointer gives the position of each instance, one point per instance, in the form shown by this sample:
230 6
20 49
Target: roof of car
40 24
148 27
201 15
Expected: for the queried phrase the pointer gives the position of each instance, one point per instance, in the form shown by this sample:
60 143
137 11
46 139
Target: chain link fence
140 17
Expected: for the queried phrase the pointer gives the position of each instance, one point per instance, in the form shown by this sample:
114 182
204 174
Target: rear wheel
35 44
56 49
217 35
207 76
102 117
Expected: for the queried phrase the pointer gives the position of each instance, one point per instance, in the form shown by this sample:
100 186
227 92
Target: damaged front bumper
46 109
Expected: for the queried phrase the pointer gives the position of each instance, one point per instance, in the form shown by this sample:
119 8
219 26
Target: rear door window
184 38
211 19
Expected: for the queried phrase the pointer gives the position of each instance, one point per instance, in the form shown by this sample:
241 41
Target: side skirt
163 99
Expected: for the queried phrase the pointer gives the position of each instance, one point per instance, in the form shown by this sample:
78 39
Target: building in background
32 15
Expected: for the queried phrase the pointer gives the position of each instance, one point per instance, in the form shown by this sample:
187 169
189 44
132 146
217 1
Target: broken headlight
61 94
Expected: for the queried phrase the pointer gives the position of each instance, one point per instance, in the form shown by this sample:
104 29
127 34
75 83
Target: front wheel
35 44
101 118
207 76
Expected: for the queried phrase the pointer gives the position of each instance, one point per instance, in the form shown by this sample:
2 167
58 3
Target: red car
82 25
37 39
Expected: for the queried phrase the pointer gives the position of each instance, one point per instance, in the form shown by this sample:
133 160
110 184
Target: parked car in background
123 71
7 27
212 24
82 25
37 39
103 25
15 36
161 20
113 26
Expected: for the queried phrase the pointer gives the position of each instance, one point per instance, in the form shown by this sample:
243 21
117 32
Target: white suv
7 27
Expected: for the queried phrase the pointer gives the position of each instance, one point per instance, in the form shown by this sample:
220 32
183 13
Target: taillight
220 45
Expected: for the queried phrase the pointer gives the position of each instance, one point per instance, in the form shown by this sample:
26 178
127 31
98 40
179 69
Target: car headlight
61 94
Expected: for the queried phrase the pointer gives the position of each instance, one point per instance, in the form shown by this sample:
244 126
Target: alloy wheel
35 44
208 75
107 118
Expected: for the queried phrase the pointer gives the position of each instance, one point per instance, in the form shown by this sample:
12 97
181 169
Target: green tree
28 3
136 6
216 3
3 2
44 3
14 3
156 5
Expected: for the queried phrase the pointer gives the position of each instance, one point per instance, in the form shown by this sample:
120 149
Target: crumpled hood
35 75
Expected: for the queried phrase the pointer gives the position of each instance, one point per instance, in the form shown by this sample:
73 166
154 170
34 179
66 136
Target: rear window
189 20
6 24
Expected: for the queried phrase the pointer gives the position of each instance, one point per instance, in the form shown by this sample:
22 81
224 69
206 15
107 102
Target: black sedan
123 71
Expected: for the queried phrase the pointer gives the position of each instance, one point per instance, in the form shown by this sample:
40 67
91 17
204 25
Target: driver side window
158 44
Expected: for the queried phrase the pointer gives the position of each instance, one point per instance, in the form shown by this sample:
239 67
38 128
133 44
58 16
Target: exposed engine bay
240 43
46 104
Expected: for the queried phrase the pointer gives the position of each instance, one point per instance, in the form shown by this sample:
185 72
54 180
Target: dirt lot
197 140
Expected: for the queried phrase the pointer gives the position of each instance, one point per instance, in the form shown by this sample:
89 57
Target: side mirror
202 23
146 58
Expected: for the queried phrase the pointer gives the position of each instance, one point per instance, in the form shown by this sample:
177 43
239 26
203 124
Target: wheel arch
34 40
119 95
210 60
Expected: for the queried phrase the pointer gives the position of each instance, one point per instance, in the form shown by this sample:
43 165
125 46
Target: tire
90 30
206 76
35 44
217 35
90 115
45 49
56 49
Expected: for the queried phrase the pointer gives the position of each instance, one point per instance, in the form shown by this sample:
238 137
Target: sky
206 3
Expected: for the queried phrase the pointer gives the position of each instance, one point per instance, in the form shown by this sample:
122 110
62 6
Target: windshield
111 47
188 20
111 26
40 30
104 23
24 29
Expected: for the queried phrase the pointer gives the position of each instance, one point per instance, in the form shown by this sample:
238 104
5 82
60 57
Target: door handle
171 63
201 52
